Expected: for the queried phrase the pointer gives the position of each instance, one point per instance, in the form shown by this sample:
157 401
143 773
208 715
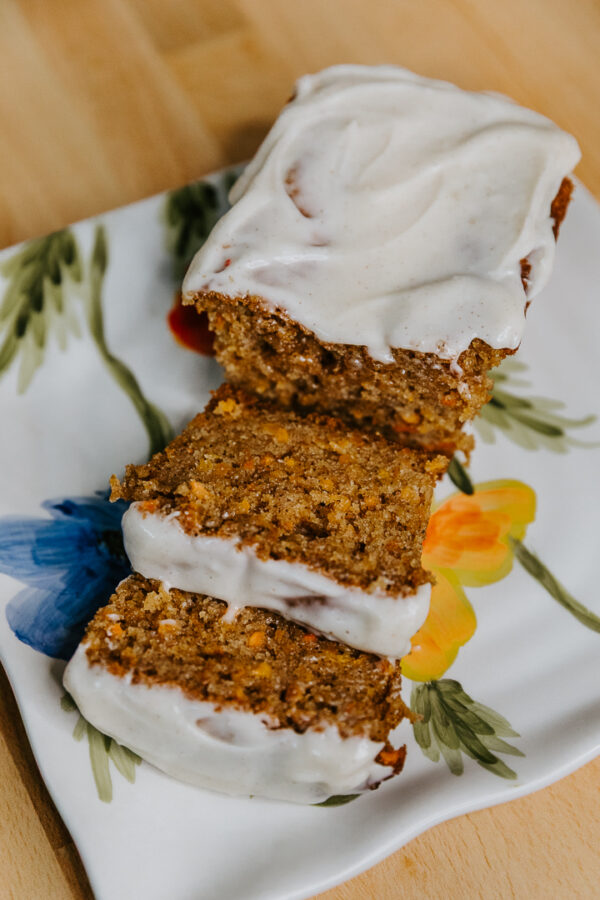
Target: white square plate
80 416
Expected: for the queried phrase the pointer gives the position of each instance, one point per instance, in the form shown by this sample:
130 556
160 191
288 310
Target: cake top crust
388 210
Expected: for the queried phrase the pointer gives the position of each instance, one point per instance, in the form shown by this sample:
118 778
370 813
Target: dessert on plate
382 248
254 706
377 262
305 515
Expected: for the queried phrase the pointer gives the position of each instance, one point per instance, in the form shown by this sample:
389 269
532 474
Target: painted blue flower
71 563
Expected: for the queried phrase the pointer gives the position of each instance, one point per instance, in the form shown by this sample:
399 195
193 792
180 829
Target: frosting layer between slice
373 621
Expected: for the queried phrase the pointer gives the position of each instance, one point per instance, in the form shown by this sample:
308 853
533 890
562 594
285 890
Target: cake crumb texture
303 489
260 662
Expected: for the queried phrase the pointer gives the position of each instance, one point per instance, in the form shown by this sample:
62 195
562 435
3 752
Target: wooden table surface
103 102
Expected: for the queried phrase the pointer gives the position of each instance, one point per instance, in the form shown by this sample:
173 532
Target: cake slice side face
260 506
259 706
418 400
382 249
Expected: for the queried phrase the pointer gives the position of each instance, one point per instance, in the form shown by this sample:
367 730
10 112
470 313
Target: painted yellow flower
450 624
468 533
467 543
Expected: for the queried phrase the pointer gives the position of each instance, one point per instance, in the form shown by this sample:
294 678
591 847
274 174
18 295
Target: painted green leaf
498 723
530 422
460 477
99 762
80 730
476 723
541 573
473 746
124 759
451 724
37 302
423 739
338 800
442 724
496 744
190 214
67 703
47 281
102 750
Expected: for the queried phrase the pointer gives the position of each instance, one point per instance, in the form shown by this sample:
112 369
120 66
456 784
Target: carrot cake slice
382 248
258 706
259 506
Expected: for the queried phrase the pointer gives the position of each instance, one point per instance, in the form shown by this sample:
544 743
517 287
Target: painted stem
155 422
538 570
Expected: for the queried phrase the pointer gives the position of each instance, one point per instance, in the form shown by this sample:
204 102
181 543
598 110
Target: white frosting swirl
373 621
389 210
227 750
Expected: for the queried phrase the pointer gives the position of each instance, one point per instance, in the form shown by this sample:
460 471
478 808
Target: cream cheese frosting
375 622
388 210
228 750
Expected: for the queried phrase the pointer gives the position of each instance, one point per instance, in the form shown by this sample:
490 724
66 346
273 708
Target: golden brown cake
255 706
418 400
302 514
382 249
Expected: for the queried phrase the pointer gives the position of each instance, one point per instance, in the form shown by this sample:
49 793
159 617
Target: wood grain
103 102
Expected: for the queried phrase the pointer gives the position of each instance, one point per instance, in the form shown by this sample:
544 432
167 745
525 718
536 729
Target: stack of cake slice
284 519
304 516
378 260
